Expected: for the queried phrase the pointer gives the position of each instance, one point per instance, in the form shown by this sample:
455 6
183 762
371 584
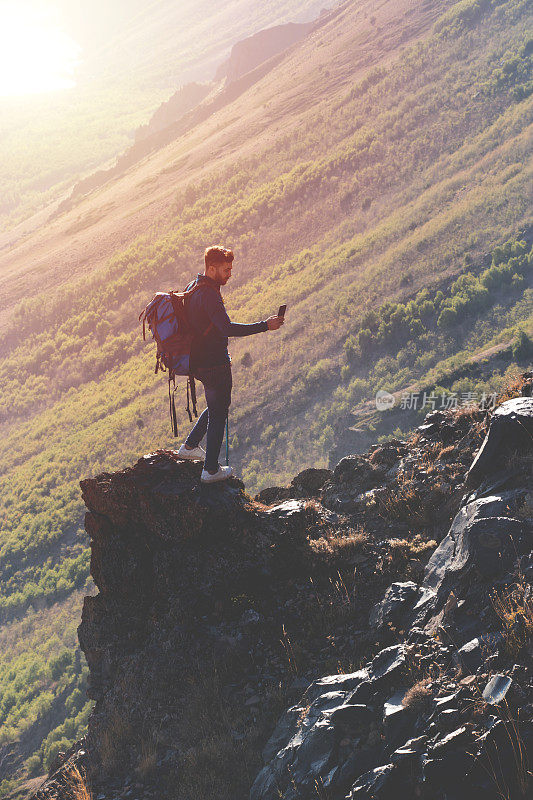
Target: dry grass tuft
515 784
399 549
512 389
429 455
419 545
514 608
402 549
292 661
331 546
147 764
77 788
114 741
446 452
399 544
403 503
417 698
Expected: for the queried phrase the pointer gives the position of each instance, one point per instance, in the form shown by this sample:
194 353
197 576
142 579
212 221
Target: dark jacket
206 312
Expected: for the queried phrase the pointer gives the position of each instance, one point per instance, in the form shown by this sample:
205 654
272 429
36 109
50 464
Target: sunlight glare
35 54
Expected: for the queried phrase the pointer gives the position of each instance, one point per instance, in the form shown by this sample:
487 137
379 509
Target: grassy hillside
48 142
131 62
375 166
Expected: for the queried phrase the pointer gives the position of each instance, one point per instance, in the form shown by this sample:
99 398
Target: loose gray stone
496 689
387 662
397 597
369 784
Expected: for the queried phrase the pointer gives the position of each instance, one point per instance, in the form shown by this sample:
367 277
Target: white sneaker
197 453
221 475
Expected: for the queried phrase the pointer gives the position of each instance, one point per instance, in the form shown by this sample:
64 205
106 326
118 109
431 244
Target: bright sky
36 54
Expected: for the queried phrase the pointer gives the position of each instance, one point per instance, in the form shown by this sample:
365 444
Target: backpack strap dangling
172 405
192 383
188 407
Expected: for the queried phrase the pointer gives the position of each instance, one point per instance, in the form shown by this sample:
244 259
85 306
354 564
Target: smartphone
281 311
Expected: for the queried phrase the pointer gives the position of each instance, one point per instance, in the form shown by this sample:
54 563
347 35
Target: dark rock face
215 612
511 432
392 608
352 476
420 733
198 585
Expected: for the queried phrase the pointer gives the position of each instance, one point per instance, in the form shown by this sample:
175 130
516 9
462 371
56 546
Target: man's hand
274 323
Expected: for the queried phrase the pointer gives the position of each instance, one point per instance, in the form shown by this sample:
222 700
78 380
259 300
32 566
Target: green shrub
522 347
59 664
62 745
34 765
448 317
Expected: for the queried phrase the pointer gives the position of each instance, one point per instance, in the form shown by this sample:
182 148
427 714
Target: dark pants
217 385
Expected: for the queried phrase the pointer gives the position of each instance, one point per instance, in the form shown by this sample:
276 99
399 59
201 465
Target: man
210 361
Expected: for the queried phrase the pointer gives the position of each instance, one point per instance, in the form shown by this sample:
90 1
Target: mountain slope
134 56
388 152
256 57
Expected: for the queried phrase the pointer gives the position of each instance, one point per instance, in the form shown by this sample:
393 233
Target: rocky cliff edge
387 604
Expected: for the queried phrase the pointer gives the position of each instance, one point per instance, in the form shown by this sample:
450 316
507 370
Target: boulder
483 543
273 494
511 431
389 611
388 663
306 735
306 484
372 784
472 654
352 476
309 482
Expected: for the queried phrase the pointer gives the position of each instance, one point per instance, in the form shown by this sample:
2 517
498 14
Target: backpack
166 318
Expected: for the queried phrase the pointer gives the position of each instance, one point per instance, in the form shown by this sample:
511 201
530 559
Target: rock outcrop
447 712
182 101
254 50
216 611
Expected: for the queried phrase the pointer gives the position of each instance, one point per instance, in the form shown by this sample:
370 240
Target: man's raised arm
219 317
